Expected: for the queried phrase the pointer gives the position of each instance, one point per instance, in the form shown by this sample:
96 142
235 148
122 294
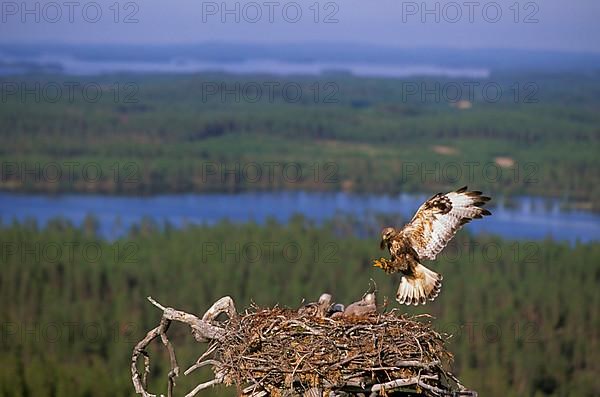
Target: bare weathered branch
203 386
202 331
223 305
394 384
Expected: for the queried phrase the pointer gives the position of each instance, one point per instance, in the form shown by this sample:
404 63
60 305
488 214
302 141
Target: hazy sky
542 24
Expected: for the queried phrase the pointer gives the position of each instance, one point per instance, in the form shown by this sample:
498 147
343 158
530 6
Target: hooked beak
382 244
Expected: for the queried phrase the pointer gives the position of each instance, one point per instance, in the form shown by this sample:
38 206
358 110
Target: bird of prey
433 225
365 307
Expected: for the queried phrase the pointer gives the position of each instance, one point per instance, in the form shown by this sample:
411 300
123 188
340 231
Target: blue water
526 218
74 66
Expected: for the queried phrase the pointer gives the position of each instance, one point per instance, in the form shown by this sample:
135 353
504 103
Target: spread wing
440 217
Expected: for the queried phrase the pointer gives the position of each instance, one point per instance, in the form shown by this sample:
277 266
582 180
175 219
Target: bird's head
370 298
386 235
325 300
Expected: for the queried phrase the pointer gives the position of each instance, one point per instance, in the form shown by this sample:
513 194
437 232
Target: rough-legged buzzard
434 224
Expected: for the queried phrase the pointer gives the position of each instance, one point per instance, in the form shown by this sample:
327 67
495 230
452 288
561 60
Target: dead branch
202 330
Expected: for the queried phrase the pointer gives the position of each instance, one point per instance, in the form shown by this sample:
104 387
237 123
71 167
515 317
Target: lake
523 218
73 66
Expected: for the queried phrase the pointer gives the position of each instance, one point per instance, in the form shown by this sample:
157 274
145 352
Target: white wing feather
440 217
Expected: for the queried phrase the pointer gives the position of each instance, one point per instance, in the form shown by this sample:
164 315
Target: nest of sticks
276 351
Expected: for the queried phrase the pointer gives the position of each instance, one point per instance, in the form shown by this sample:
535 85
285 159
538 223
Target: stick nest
275 352
277 349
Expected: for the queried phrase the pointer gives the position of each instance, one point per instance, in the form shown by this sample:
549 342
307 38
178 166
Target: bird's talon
382 263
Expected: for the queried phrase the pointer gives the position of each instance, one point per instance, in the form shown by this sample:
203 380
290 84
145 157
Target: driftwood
275 351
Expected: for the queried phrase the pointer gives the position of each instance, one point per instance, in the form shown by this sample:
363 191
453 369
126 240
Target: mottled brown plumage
426 235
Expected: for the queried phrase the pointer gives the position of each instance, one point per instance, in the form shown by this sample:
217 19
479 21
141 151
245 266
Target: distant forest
523 315
141 134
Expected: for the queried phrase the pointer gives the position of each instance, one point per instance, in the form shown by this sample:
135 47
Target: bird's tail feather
418 287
